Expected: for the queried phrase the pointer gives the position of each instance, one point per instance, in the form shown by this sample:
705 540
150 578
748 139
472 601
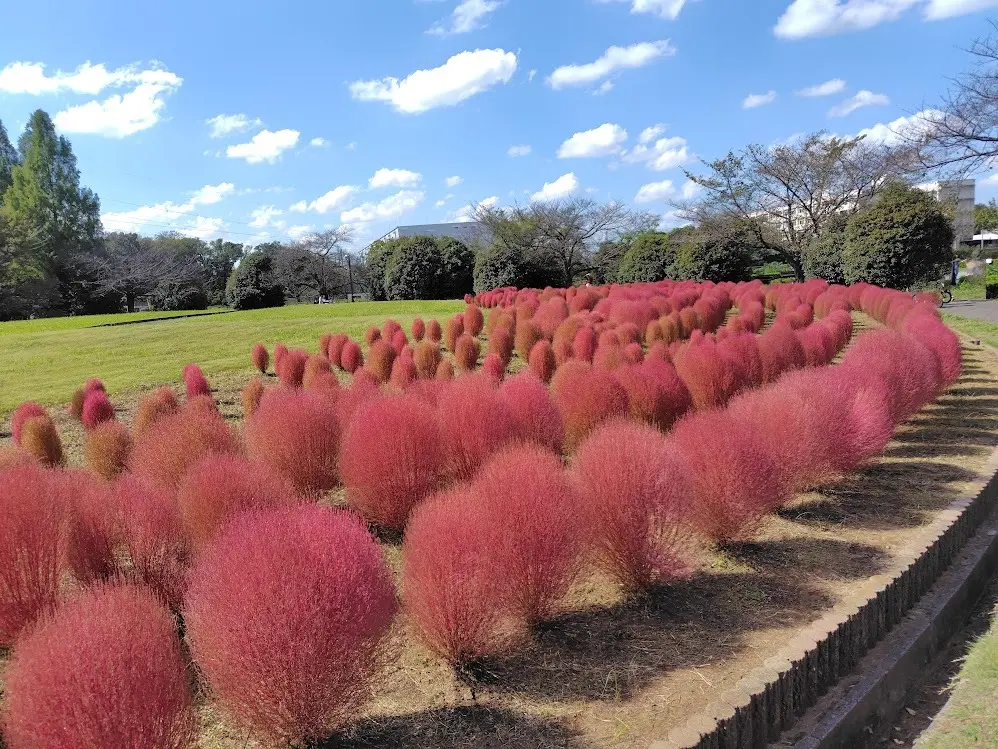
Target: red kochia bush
941 341
154 534
280 351
97 408
709 376
164 452
391 457
537 418
541 360
494 368
527 334
351 359
426 357
445 370
585 396
297 434
291 369
909 371
476 422
40 438
735 480
372 334
636 497
317 368
160 402
286 615
466 352
108 449
27 410
501 344
219 486
33 518
418 329
584 344
380 357
454 329
403 373
251 395
334 350
433 331
106 670
94 525
474 320
195 383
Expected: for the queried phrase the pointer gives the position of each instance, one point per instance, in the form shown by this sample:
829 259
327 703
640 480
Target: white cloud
560 188
203 228
297 231
605 88
461 77
211 194
300 207
531 75
939 9
665 153
901 129
467 16
121 115
615 58
515 151
30 78
224 124
264 146
651 133
394 178
332 200
667 9
666 190
467 213
863 98
834 86
318 142
352 146
757 100
604 140
804 18
453 181
390 207
265 215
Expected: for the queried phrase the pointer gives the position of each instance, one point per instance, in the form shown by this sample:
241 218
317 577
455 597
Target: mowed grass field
46 360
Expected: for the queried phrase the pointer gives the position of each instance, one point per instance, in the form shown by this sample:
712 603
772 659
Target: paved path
975 310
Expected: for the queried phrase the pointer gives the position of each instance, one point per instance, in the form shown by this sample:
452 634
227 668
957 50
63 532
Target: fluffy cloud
466 214
664 153
297 231
467 16
901 129
834 86
30 78
461 77
300 207
667 9
332 200
614 59
453 181
863 98
666 191
758 100
224 124
394 178
264 146
804 18
265 215
515 151
651 133
604 140
560 188
179 216
318 142
390 207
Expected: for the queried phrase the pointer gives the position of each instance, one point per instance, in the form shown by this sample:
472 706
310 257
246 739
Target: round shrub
403 373
433 331
426 358
474 320
106 670
160 402
541 360
476 423
286 615
94 526
536 416
466 352
380 357
25 411
251 396
418 329
97 408
351 359
108 449
40 439
585 397
445 370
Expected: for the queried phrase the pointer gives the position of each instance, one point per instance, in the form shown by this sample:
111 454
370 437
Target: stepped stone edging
771 698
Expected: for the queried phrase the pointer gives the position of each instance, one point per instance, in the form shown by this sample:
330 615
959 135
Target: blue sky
257 121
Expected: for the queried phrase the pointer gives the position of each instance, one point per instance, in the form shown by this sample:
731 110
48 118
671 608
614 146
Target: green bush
412 269
252 285
457 272
649 258
499 266
905 238
172 296
698 259
823 258
374 268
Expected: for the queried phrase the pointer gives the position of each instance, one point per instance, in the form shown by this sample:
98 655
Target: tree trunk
798 268
130 301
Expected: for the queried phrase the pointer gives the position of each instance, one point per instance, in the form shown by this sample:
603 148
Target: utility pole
350 275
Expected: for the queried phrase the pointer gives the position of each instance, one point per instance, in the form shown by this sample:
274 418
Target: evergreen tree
9 158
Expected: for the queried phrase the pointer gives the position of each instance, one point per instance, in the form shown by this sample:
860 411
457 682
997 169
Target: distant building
469 232
961 194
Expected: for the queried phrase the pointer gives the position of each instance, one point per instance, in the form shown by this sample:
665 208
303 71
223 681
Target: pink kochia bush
106 670
33 517
219 486
94 525
195 383
27 410
537 418
261 358
476 423
286 616
585 396
97 408
297 434
391 457
485 561
636 499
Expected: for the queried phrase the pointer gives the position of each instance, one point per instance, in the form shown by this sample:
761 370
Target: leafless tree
132 266
782 198
565 232
961 136
329 265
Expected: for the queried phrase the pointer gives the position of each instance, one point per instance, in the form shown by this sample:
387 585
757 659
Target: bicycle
944 294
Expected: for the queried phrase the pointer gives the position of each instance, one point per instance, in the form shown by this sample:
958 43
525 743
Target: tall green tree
45 200
9 158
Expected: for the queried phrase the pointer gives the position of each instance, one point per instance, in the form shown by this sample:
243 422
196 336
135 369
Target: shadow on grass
468 727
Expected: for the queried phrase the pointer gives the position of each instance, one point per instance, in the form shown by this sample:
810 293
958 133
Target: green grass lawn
971 716
45 360
94 321
987 332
